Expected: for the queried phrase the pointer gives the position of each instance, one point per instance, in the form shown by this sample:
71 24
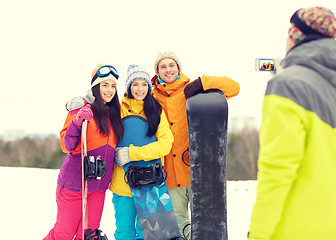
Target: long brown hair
111 111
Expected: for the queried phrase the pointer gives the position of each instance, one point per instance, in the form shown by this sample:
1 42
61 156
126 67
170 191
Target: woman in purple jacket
104 131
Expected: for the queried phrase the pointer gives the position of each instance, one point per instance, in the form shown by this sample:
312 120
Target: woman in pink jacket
105 129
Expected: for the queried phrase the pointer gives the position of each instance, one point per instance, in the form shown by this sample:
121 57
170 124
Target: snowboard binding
137 177
94 169
94 234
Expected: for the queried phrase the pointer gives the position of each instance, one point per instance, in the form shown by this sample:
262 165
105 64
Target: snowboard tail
207 130
86 174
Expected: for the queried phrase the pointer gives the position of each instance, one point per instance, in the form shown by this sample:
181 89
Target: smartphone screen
265 64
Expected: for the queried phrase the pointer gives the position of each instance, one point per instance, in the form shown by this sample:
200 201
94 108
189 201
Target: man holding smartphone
297 159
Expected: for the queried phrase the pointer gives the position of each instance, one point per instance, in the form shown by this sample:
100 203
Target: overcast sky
49 48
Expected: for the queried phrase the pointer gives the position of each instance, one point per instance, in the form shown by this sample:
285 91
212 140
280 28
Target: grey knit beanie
137 72
166 54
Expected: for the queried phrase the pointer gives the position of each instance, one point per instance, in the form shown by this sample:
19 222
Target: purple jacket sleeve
72 137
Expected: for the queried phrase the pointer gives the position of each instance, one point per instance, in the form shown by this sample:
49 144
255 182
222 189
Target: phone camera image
265 64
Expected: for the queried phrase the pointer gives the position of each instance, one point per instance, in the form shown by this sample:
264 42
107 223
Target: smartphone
265 65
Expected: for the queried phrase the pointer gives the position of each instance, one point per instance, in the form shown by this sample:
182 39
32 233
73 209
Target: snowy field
28 206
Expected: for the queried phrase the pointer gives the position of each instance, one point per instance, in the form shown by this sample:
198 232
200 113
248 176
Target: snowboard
153 205
84 181
207 130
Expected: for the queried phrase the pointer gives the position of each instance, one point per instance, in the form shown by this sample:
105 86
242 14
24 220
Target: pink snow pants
69 214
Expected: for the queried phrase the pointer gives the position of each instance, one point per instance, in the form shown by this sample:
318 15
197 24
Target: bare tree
242 155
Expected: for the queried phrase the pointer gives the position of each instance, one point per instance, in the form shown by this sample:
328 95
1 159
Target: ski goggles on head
102 73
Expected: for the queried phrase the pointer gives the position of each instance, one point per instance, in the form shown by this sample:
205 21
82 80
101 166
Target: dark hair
111 111
152 109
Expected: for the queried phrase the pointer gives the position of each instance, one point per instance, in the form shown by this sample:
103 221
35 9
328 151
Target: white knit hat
166 54
137 72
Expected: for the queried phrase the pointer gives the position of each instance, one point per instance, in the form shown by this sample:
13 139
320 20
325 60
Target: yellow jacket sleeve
157 149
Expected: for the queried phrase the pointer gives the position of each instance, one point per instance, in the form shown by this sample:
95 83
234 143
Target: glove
85 113
193 88
89 96
78 102
121 156
75 103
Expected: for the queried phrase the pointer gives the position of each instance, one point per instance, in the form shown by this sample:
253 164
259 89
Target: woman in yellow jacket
137 101
171 90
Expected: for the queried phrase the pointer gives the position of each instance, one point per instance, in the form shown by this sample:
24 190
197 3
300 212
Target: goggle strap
94 78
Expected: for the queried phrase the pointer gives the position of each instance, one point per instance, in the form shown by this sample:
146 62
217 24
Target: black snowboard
207 128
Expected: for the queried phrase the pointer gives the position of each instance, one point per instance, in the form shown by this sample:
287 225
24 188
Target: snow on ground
28 205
